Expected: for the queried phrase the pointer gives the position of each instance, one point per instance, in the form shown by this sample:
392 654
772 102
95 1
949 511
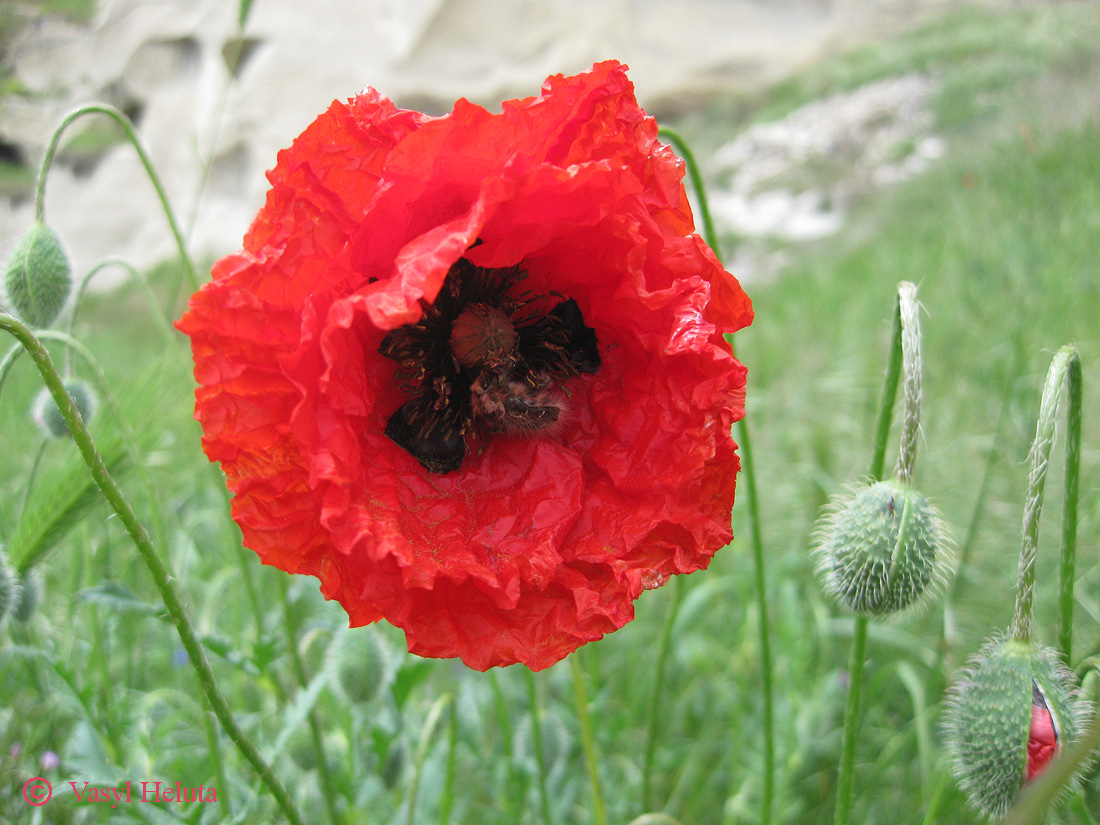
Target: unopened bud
48 416
882 548
1012 711
362 664
38 277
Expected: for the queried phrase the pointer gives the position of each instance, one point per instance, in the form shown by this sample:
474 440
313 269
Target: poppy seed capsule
881 549
1012 711
48 416
483 336
38 277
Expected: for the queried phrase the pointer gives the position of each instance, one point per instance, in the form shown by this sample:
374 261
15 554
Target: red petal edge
535 546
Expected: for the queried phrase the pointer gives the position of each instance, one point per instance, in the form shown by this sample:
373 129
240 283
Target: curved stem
588 742
709 234
127 126
1038 462
164 326
749 475
160 575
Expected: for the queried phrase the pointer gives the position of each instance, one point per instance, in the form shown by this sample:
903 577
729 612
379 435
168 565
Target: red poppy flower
470 371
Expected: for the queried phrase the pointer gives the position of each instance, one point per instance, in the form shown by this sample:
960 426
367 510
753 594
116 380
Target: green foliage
1002 238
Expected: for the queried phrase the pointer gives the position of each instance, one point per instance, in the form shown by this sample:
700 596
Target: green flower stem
1071 492
427 735
749 476
161 578
131 134
290 625
214 746
536 735
1038 461
845 776
514 795
846 773
447 801
656 702
588 742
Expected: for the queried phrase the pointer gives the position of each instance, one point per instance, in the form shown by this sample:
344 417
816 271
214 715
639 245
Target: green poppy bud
882 548
1013 709
362 664
38 277
48 416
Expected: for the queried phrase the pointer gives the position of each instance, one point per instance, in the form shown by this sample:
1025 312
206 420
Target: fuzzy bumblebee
882 548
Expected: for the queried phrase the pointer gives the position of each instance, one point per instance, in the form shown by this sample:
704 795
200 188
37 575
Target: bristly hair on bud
1011 712
38 277
47 415
882 548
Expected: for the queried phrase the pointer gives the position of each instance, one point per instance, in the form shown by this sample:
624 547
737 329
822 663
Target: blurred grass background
1002 236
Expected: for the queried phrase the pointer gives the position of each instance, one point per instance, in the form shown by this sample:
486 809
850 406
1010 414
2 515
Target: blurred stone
211 138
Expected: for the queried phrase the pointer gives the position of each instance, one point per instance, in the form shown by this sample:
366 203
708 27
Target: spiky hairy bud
882 548
362 662
47 415
38 277
1013 700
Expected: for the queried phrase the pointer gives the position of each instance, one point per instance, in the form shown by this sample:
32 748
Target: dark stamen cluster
483 359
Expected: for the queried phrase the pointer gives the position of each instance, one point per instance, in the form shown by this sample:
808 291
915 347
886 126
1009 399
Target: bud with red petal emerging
1010 714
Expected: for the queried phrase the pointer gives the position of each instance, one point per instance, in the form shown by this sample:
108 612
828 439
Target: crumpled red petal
534 546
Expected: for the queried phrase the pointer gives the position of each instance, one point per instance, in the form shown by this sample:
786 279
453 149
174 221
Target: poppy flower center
482 360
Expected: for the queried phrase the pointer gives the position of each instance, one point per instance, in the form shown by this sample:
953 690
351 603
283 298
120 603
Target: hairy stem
1038 462
161 578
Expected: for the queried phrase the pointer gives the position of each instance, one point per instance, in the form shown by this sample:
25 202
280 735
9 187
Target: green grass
1002 238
